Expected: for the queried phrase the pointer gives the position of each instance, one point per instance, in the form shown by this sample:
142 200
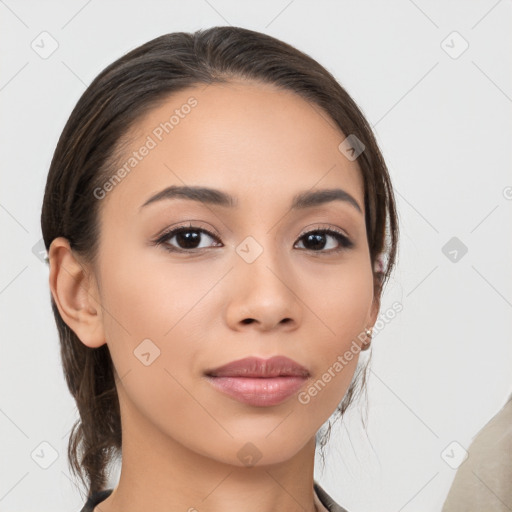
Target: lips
277 366
259 382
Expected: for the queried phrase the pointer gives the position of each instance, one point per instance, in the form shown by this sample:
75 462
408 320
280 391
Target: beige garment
483 482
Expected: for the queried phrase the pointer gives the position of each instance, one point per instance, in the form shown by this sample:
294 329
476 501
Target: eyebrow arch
212 196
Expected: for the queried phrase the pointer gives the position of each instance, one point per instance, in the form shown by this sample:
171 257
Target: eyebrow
216 197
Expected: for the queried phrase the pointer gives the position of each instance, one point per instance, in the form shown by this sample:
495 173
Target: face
244 277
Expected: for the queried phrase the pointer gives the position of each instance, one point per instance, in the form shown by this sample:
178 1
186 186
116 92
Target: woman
216 216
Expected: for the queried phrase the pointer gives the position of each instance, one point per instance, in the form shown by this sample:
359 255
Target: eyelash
345 243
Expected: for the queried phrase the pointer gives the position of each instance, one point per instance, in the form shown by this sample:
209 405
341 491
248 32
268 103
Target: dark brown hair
91 145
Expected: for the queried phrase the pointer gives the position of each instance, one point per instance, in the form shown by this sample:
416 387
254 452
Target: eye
190 238
318 241
187 238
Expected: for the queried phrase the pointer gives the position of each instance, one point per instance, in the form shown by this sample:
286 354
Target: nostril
248 320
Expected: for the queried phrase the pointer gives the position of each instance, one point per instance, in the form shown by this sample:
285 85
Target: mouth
259 382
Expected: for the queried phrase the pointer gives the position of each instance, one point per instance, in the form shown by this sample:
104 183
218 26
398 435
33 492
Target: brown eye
318 241
187 238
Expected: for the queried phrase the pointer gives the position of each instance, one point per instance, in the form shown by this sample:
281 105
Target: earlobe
374 312
75 294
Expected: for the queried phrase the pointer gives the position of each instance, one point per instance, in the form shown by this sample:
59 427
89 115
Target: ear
375 307
374 311
372 318
75 293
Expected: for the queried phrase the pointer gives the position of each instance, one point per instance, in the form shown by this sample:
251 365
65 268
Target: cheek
137 306
324 393
149 297
155 312
153 328
341 301
342 305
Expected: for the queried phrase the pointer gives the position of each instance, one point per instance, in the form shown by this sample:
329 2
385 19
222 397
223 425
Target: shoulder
494 440
326 500
96 498
484 477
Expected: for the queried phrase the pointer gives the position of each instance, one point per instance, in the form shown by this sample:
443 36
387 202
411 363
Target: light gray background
441 368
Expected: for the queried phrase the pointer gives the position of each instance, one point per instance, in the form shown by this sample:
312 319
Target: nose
262 295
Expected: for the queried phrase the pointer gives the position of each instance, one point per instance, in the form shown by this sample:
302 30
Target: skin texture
182 437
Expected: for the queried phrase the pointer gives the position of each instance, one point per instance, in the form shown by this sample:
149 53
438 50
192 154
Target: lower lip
258 391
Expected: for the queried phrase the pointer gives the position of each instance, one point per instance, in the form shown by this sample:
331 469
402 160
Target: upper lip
256 367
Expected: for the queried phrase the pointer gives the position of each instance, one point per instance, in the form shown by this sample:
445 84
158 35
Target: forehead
251 139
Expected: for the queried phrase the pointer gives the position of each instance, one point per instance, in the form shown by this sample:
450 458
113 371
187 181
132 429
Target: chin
259 449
